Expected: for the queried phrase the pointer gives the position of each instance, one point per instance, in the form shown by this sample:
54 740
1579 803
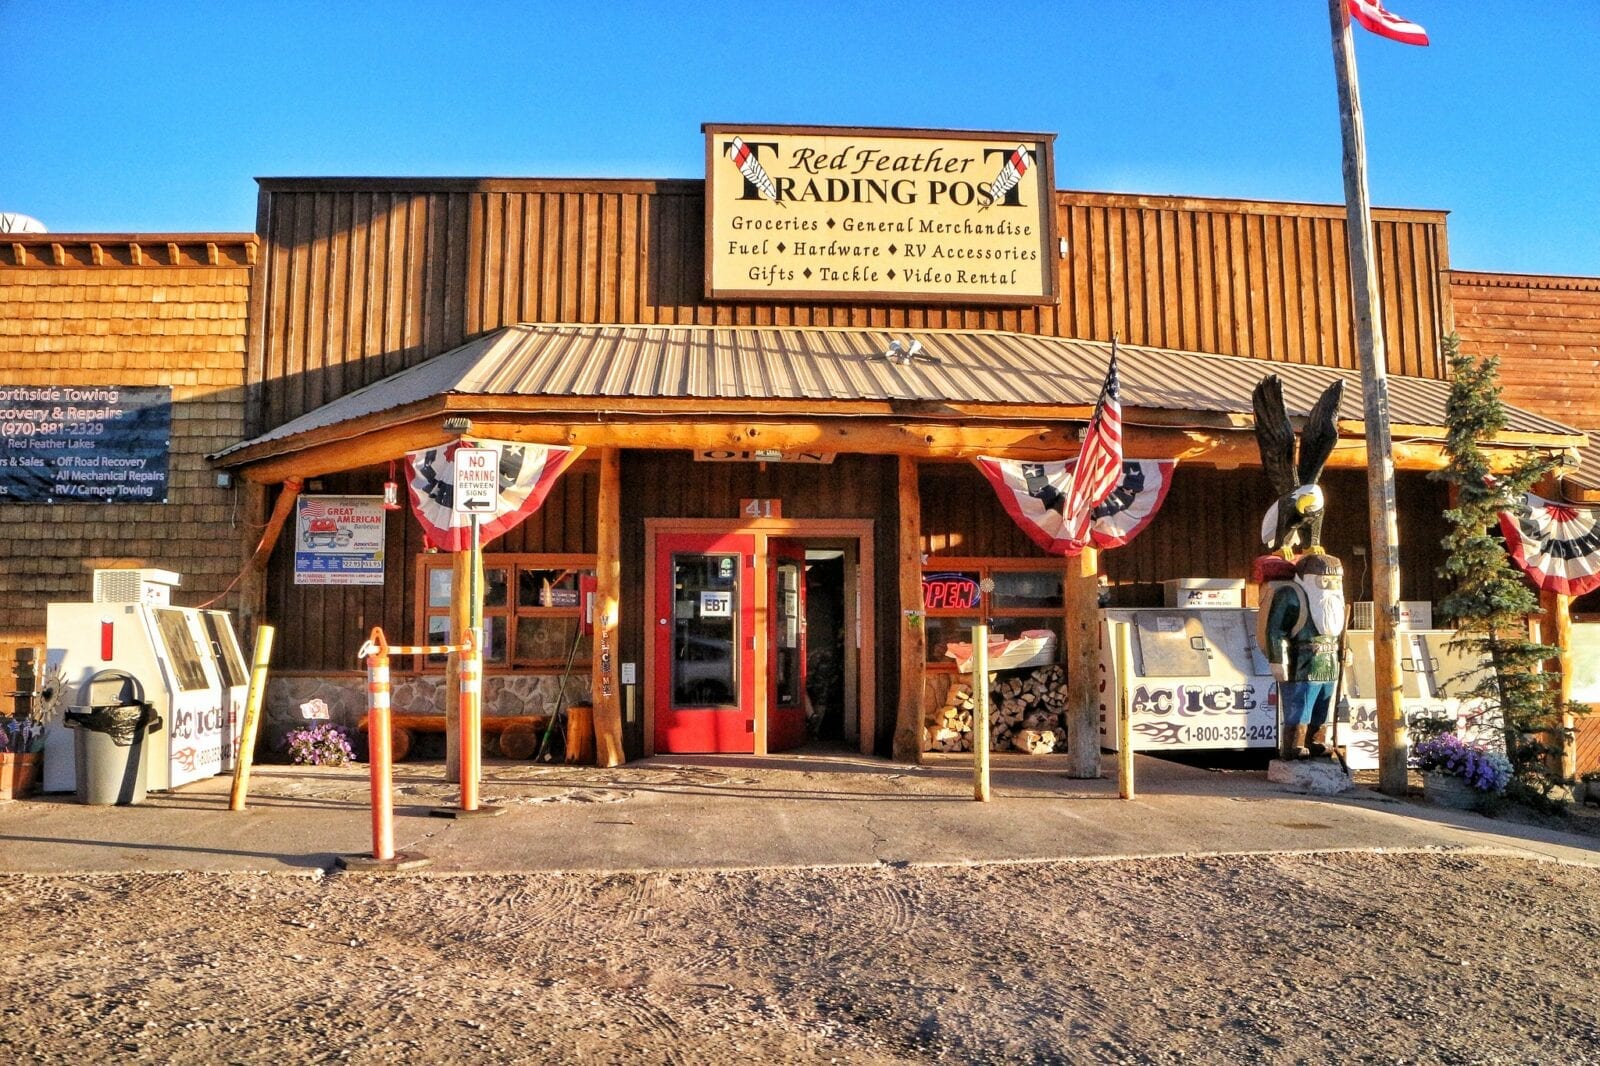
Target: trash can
109 726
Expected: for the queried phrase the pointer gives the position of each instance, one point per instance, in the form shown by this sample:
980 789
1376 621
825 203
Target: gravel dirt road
1349 957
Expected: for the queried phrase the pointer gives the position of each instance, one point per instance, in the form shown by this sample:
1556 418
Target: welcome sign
839 213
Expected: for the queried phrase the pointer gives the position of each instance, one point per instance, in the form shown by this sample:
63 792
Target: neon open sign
950 592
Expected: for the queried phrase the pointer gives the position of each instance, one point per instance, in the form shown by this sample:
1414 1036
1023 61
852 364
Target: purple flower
1484 770
323 744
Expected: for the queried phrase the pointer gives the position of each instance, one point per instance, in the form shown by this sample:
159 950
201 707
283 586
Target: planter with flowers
323 744
1458 774
21 756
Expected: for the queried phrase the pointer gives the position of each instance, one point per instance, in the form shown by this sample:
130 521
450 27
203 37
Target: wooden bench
517 735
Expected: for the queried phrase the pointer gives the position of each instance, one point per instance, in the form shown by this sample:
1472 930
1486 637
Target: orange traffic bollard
471 671
380 755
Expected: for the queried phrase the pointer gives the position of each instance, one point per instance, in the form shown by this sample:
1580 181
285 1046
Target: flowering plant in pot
21 741
323 744
1456 773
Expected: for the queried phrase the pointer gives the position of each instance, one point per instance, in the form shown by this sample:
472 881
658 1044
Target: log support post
1083 664
980 713
604 688
1556 627
253 577
913 631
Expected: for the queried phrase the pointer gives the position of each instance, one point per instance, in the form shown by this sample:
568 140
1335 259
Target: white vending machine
234 676
1434 681
1190 679
168 649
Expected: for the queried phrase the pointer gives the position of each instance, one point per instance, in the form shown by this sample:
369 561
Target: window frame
985 567
514 564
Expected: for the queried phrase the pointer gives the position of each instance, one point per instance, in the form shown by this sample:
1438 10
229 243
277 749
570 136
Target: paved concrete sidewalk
818 809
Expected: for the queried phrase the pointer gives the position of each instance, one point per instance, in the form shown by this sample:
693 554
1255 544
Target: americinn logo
879 214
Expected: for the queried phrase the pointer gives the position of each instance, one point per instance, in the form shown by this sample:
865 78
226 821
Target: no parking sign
477 480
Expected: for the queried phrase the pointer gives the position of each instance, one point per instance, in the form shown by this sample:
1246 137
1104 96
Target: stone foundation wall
346 696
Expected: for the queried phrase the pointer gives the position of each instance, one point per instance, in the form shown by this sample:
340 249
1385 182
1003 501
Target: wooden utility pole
1375 393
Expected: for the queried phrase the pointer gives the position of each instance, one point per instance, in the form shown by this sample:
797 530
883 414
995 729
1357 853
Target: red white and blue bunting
527 472
1556 544
1033 495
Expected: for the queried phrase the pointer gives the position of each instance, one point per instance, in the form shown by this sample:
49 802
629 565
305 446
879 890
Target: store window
533 607
1011 597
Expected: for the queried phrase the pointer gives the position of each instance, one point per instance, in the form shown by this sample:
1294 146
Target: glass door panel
705 630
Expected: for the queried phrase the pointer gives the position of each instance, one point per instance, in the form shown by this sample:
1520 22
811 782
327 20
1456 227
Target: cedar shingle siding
127 311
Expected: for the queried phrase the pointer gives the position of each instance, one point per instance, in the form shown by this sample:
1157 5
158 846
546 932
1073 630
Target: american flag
1100 462
1385 23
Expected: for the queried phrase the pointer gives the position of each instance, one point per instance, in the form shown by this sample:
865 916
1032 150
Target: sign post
477 492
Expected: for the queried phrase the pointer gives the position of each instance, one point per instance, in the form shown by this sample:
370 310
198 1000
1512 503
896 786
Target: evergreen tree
1492 599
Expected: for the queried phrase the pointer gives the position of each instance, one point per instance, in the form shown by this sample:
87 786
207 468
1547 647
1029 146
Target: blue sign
84 443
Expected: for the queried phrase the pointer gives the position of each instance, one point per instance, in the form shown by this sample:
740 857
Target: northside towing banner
85 443
838 213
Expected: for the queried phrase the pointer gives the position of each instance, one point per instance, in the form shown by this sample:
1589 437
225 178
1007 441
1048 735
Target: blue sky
152 116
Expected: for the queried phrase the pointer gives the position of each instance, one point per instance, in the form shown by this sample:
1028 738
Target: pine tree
1492 599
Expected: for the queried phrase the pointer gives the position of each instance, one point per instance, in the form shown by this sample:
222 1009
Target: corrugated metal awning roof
636 364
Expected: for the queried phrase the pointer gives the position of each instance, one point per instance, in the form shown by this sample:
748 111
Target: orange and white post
471 717
380 755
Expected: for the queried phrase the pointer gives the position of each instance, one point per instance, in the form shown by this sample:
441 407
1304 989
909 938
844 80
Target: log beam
274 462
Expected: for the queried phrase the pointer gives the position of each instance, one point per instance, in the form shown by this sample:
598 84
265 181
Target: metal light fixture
458 425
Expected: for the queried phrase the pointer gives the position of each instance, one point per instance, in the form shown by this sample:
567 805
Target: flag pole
1382 526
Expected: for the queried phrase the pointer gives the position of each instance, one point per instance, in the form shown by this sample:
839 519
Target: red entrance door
786 646
705 643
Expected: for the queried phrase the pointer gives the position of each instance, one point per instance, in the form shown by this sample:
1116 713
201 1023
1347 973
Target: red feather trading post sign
1373 16
527 473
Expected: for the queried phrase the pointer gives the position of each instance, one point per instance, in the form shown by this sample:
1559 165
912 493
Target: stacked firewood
1027 712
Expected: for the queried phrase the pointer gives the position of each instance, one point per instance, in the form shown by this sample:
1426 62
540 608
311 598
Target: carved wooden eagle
1295 519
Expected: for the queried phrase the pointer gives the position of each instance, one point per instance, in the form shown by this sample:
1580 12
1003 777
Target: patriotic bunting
1372 15
1556 544
1033 494
527 472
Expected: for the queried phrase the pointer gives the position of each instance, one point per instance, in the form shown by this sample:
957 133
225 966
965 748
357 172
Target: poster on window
338 540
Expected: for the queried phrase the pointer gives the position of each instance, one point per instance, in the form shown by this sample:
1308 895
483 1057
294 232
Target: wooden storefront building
772 430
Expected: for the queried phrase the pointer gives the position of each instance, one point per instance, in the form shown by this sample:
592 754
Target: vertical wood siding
366 277
1546 331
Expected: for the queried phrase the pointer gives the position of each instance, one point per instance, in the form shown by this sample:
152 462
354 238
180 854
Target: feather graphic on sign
753 171
1009 175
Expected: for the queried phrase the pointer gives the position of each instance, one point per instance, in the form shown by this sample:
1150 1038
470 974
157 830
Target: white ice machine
171 650
1191 679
